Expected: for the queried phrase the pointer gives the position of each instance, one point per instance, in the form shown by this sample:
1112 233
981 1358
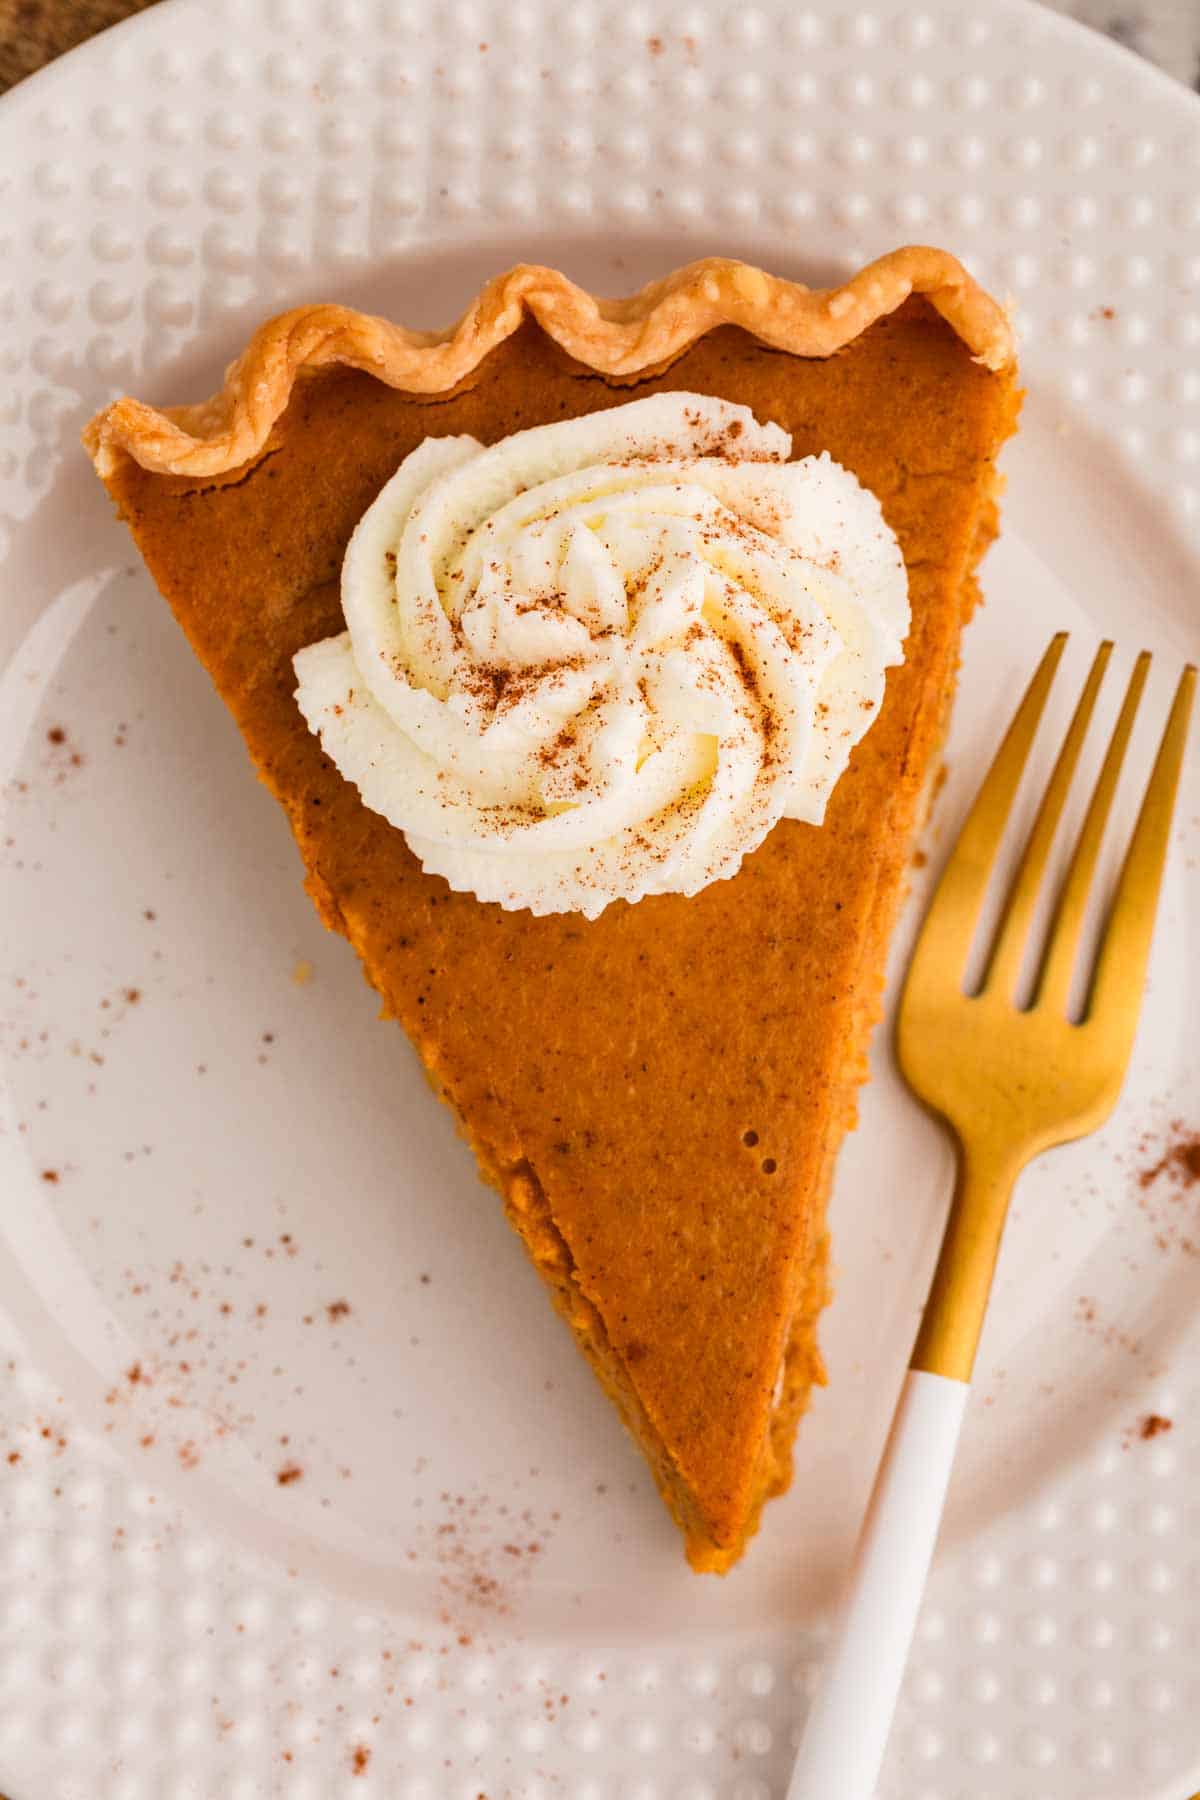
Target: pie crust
616 338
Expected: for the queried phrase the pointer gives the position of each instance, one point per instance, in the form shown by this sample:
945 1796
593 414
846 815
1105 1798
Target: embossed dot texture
260 153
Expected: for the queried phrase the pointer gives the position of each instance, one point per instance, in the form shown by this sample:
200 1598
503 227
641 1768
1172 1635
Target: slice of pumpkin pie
598 652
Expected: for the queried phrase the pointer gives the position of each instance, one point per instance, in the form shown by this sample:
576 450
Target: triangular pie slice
658 1093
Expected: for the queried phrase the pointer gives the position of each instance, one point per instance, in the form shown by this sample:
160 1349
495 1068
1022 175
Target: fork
1011 1082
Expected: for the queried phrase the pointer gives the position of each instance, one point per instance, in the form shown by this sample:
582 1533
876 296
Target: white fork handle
841 1752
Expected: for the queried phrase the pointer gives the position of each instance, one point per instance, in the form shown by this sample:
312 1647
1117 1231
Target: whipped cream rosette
601 659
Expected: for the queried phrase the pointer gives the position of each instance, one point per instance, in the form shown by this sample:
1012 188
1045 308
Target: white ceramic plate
287 1408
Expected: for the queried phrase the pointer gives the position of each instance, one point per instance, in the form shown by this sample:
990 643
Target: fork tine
1125 946
1008 952
949 927
1054 988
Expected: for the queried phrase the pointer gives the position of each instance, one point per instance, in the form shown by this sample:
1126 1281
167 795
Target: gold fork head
1012 1081
1034 1074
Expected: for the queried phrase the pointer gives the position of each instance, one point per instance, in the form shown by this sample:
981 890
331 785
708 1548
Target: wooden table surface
34 31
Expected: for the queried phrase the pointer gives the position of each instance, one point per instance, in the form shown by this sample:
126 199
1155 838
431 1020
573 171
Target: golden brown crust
614 337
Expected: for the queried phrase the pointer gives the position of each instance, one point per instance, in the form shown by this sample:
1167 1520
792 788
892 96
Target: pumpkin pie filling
659 1092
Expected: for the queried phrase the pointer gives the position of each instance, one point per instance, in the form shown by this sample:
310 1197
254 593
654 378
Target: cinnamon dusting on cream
601 658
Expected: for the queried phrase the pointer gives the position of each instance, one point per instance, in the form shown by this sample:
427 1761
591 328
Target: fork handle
851 1715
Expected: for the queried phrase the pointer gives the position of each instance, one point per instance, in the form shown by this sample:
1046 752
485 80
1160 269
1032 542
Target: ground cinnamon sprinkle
482 1561
1111 1336
1170 1172
290 1472
359 1759
1153 1425
61 757
1181 1160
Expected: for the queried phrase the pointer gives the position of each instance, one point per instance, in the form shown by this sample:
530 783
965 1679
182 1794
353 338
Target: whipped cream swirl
601 659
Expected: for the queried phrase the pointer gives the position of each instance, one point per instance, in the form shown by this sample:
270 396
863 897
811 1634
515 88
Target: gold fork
1010 1082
